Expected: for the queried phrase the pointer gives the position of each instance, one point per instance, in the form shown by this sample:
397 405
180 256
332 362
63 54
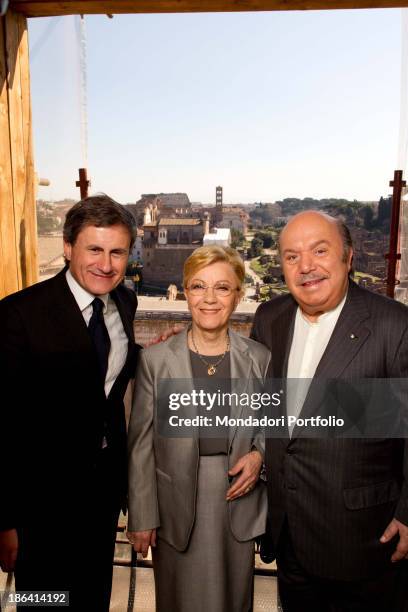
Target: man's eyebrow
312 246
289 251
315 244
101 248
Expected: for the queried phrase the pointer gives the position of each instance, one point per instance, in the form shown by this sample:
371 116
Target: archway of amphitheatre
18 235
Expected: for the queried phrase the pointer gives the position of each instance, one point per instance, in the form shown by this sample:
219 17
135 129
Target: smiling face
314 263
211 312
98 257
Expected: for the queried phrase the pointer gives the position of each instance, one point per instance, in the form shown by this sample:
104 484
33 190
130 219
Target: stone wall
149 325
164 266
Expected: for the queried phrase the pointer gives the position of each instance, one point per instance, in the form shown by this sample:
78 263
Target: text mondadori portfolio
252 421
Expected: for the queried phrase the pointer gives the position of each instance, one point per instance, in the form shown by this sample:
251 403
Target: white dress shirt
114 325
309 342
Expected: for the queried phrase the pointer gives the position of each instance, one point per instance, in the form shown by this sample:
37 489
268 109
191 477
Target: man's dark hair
100 211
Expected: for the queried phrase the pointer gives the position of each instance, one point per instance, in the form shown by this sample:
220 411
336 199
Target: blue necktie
100 335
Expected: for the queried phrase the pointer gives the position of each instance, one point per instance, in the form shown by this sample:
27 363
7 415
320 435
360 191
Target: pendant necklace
211 367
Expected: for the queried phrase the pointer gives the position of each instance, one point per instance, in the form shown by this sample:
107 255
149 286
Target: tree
268 279
265 259
384 210
267 239
255 249
368 216
237 238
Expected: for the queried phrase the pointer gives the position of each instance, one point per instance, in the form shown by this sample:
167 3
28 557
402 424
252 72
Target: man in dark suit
338 508
67 352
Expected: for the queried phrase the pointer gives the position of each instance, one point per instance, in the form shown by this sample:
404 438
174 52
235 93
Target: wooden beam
8 254
46 8
18 228
30 246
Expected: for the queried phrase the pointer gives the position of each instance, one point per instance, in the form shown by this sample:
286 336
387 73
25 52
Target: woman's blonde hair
206 255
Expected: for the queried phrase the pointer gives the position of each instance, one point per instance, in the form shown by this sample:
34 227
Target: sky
269 105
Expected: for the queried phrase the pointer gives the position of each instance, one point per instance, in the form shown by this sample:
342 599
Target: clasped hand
249 467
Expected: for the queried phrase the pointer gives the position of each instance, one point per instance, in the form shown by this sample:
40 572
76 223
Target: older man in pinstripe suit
338 507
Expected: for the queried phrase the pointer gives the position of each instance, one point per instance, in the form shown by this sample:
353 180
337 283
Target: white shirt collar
84 298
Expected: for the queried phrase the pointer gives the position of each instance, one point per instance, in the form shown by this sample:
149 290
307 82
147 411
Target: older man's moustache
308 279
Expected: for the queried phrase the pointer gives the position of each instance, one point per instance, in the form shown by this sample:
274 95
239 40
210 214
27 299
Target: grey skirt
215 573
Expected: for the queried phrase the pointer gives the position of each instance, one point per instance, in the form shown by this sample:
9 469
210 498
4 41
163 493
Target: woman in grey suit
198 501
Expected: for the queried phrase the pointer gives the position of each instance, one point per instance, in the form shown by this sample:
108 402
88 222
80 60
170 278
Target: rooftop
167 221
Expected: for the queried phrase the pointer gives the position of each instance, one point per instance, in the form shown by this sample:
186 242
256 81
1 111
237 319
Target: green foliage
237 238
291 206
354 212
267 239
265 259
255 250
368 216
257 267
384 214
268 279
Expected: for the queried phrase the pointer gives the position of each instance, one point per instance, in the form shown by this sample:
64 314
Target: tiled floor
265 598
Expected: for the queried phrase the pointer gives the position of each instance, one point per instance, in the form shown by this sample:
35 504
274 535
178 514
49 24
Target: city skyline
268 105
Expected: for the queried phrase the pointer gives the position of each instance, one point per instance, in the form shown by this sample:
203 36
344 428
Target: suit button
291 487
290 451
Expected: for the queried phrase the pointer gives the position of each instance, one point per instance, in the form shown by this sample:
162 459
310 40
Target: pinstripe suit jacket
339 494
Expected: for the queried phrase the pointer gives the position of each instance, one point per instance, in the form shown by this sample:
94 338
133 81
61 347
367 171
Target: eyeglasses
220 289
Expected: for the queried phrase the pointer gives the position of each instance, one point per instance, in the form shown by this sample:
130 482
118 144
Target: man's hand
249 465
172 331
401 552
141 540
8 549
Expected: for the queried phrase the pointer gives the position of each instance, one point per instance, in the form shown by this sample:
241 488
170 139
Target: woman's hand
141 540
250 466
172 331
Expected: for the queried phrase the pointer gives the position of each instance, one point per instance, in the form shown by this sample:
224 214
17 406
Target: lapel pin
353 336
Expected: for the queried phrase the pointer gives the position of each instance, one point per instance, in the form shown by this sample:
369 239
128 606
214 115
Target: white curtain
82 85
401 291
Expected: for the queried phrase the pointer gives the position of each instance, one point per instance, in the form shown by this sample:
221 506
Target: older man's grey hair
345 236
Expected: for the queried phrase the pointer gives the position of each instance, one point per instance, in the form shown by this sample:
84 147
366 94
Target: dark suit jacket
53 402
338 495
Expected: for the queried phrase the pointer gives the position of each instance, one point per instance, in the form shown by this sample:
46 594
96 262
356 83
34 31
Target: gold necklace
211 367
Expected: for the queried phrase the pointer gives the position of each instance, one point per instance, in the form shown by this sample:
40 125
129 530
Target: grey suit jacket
338 495
163 470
